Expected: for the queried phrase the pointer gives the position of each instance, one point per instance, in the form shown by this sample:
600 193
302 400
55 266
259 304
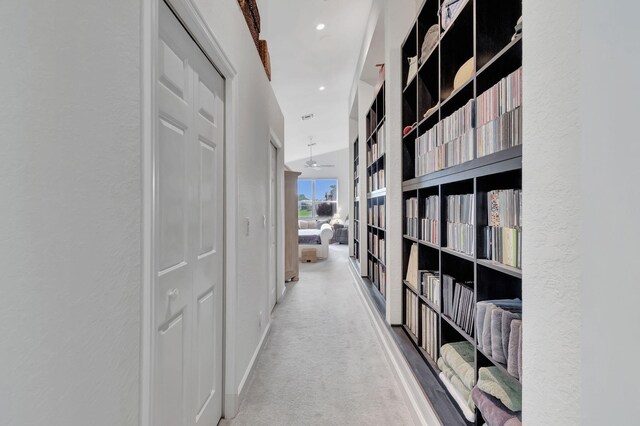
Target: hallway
322 363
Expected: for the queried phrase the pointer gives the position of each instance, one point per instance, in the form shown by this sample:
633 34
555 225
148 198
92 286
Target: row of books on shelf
377 215
426 228
503 236
498 120
448 143
377 245
377 180
430 286
459 303
411 217
460 223
377 147
378 275
429 341
411 312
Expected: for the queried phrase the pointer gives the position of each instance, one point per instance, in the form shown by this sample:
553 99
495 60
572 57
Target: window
317 198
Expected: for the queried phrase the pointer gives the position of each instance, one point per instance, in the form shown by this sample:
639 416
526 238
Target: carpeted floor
322 363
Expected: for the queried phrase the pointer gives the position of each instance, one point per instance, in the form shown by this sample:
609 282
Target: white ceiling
303 59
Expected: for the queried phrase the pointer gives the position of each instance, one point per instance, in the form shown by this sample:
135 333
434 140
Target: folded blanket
459 356
514 357
481 309
507 317
520 355
493 411
496 336
501 385
468 413
486 329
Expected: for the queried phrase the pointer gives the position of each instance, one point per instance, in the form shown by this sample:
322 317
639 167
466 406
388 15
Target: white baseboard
418 404
242 389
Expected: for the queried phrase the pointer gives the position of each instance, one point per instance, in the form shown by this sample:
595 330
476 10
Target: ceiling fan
311 163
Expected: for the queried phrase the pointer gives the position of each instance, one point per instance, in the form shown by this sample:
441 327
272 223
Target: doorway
188 231
273 225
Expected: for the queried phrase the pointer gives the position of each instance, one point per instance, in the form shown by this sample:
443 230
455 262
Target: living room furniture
291 266
324 235
341 233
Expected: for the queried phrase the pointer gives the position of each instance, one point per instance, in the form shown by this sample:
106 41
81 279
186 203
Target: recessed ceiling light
321 88
320 27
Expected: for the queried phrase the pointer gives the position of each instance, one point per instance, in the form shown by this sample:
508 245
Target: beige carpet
322 363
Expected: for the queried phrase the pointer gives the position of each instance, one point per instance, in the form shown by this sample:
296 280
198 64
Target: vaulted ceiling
304 59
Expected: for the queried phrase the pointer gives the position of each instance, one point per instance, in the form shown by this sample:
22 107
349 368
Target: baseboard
242 388
418 404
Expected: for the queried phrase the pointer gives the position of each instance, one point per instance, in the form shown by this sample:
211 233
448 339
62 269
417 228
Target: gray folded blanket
500 330
493 411
483 319
514 358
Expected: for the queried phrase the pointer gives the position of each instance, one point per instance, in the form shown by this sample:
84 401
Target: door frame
191 18
280 167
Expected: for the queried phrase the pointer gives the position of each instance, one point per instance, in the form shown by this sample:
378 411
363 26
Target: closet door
189 231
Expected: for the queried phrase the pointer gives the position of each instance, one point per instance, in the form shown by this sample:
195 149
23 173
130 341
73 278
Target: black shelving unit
376 193
356 200
482 30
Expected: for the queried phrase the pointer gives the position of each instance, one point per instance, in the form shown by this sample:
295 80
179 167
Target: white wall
341 171
70 236
580 177
258 114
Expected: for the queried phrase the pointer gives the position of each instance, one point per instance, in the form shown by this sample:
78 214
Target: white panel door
273 220
189 231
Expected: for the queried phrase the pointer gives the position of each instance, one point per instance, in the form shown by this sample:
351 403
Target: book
411 217
460 223
430 226
412 268
459 303
503 235
430 286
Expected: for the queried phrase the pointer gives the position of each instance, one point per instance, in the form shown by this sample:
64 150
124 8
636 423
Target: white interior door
273 228
187 382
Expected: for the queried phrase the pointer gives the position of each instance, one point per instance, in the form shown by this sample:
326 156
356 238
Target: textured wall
551 183
71 198
610 180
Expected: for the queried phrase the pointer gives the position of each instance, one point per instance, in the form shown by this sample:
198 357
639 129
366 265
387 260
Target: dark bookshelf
483 31
376 193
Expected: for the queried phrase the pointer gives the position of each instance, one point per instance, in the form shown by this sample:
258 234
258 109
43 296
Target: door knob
172 294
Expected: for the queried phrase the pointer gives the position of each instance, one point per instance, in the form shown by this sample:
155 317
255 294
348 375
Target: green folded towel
459 357
465 392
508 390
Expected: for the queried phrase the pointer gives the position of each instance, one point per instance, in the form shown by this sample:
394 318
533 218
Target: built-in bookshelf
356 200
462 188
376 193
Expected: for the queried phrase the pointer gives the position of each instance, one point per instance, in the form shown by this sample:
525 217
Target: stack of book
458 303
430 224
499 115
447 144
430 332
381 216
411 217
381 249
503 236
460 223
376 245
411 312
377 180
383 279
430 286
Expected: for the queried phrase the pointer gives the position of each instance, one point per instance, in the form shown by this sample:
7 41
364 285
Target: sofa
316 235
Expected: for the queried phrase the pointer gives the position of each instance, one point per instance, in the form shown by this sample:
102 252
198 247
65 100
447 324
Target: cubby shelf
483 30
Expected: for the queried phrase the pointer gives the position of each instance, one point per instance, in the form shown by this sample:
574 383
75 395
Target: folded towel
493 411
486 329
520 355
481 310
496 336
501 385
507 317
514 346
468 413
459 356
